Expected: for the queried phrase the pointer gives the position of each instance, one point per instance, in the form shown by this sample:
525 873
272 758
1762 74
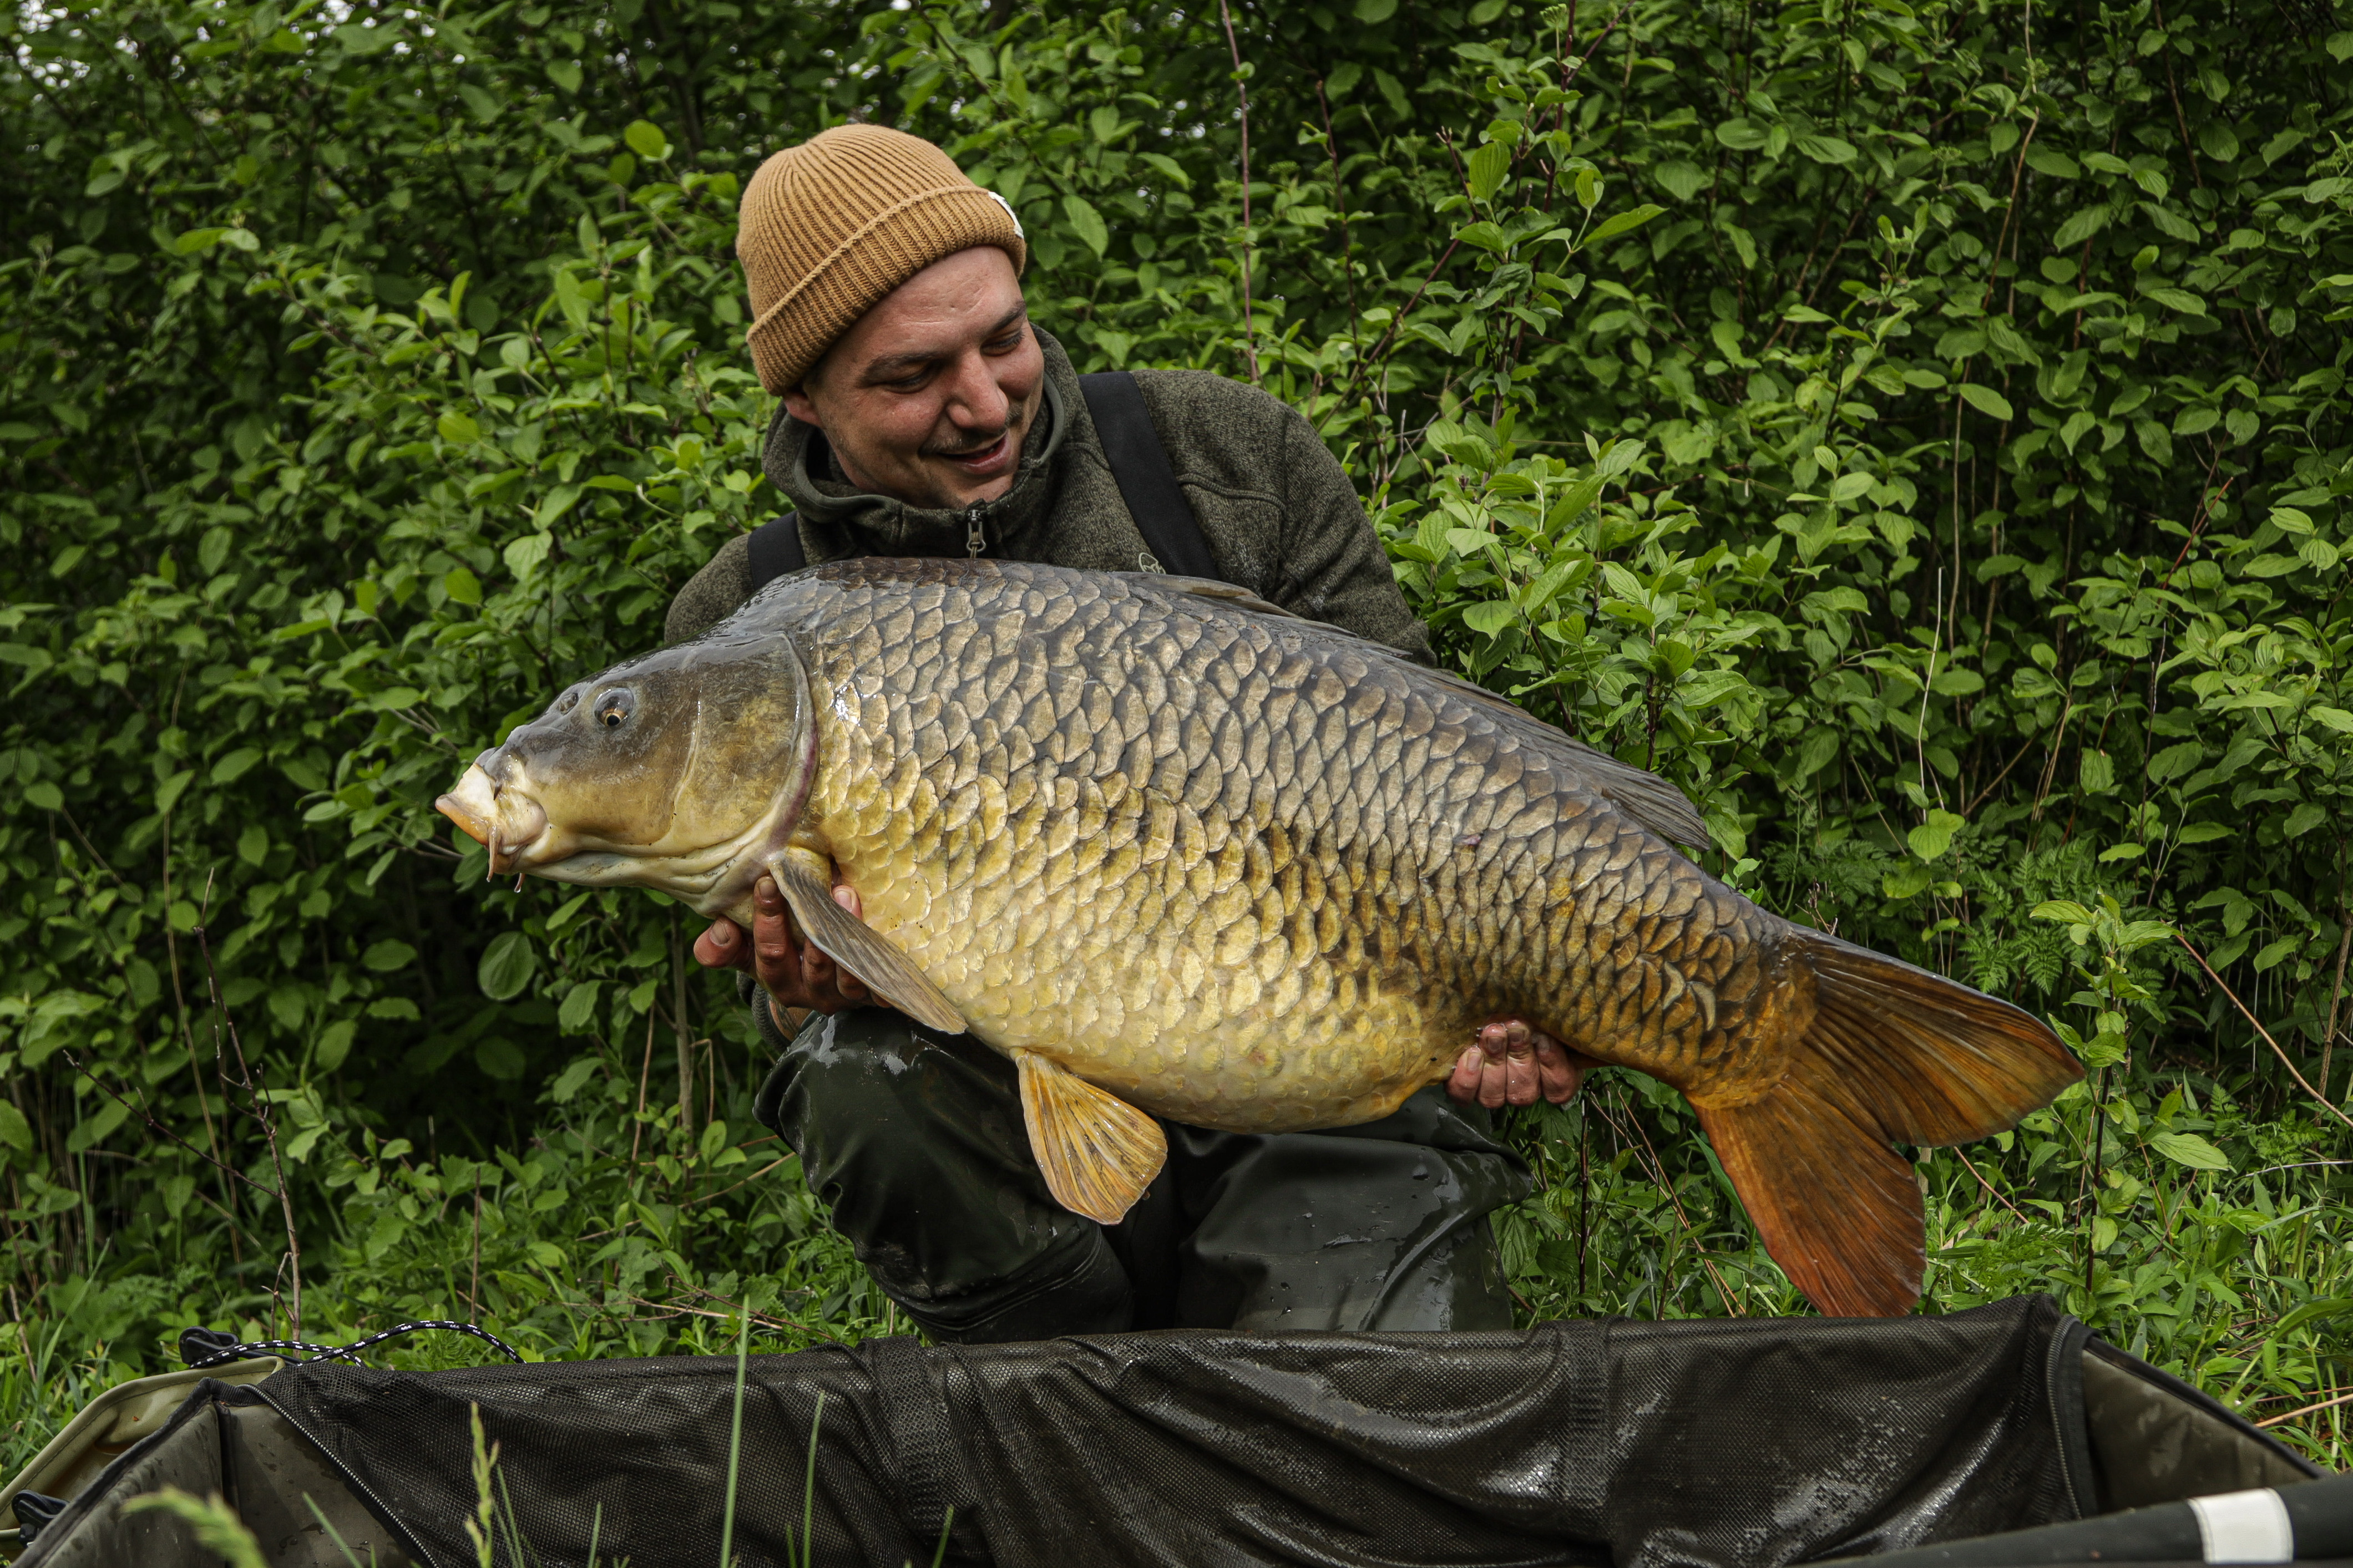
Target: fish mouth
500 819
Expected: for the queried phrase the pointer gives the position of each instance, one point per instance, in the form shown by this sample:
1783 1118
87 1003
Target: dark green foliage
1919 432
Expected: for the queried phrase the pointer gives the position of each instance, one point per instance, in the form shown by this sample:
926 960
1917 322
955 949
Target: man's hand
1511 1062
795 974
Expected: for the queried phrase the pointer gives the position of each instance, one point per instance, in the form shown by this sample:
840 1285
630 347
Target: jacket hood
851 522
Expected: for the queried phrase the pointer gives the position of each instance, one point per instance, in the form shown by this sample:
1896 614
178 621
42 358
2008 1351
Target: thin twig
2336 991
761 1318
2324 1404
259 1107
1988 1187
746 1182
2266 1033
141 1111
1659 1171
1242 94
474 1286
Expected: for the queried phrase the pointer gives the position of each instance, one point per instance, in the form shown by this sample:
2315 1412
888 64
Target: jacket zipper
974 541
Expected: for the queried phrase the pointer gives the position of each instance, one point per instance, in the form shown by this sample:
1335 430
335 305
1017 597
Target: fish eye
613 708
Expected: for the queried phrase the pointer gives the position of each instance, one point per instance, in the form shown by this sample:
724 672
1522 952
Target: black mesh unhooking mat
1745 1444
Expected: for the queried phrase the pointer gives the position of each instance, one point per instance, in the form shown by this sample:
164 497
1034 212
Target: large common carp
1175 851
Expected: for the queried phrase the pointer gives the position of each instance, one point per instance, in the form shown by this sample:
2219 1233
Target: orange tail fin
1894 1054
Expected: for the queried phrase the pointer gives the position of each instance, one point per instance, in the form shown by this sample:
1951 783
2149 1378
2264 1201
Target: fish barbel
1176 851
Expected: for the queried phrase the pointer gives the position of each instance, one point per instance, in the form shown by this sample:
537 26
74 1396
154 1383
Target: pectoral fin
1098 1152
859 947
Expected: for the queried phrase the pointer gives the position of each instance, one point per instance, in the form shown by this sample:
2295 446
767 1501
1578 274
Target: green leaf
1486 237
2305 818
1621 221
459 429
1375 11
364 40
568 1082
507 966
2325 1307
647 140
334 1045
16 1132
1491 617
524 556
95 1128
1987 401
2079 228
501 1059
2190 1150
1826 149
1819 744
1488 166
388 955
232 767
462 586
579 1009
1933 837
1087 223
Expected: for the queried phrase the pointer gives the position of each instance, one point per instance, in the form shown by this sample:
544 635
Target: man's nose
976 401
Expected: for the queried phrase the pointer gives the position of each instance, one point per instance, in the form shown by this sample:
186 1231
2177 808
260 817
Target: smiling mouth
987 457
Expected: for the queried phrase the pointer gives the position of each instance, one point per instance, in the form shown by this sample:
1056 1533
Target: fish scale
1161 688
1169 848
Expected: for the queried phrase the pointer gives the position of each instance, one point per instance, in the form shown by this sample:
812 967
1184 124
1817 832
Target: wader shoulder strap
775 549
1139 464
1147 482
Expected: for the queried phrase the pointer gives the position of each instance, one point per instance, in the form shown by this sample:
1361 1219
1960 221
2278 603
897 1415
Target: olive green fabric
915 1140
1279 513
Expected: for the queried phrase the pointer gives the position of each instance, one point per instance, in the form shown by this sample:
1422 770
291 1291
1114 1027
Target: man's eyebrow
897 367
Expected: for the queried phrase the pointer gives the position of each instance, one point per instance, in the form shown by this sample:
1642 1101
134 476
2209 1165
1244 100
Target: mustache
940 449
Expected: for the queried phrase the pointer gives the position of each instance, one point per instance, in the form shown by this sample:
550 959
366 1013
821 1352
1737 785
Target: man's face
929 397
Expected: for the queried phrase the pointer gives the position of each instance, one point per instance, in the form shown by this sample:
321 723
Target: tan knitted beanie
830 226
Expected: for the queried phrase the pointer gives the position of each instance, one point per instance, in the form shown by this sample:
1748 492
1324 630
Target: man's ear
798 405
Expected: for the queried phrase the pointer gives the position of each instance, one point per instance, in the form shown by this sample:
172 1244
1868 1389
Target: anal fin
859 947
1098 1152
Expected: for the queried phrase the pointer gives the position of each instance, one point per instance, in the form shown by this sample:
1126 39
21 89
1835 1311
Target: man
923 414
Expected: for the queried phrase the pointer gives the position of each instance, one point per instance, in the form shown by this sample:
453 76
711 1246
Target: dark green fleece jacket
1278 512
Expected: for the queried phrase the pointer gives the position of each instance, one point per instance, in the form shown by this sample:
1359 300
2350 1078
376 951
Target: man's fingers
724 946
776 947
1560 1070
1462 1084
1513 1062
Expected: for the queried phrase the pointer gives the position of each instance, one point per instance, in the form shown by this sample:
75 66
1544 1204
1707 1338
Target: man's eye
1007 344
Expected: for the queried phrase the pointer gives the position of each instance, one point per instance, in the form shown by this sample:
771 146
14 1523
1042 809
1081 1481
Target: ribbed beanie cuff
829 228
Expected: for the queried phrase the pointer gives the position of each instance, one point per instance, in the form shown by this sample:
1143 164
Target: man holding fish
1209 919
923 414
